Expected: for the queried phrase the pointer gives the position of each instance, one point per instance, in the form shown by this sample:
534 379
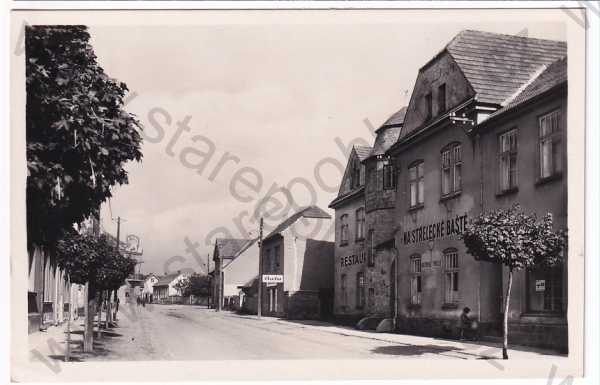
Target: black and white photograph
297 194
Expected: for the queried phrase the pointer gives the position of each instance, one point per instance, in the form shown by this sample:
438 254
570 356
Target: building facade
349 245
165 290
296 250
225 285
451 169
485 128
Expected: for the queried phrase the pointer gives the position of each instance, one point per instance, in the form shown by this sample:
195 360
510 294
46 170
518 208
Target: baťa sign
437 230
272 278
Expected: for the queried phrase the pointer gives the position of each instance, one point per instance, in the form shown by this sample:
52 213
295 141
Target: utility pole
118 232
208 276
260 235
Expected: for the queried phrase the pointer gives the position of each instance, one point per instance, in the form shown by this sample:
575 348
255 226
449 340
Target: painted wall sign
540 285
272 278
352 260
437 230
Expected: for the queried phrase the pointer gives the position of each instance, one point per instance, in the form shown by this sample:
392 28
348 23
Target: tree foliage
514 239
199 285
78 134
183 287
94 259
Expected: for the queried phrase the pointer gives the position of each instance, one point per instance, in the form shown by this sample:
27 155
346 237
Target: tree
78 134
91 259
516 240
183 287
199 285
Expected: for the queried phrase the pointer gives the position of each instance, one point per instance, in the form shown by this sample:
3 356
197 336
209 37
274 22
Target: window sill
548 179
449 306
362 239
509 191
413 306
417 207
450 195
345 243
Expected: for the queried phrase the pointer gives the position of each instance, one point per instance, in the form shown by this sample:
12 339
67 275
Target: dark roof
307 212
230 247
349 195
165 280
552 76
396 119
498 65
246 246
386 137
362 152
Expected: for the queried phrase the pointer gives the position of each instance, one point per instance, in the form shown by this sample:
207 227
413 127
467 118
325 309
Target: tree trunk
506 305
90 309
107 294
99 310
116 299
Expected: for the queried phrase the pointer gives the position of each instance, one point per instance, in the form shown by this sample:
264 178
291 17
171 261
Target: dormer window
441 99
356 179
428 106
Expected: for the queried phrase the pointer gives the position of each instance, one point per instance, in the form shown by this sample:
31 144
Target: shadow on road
413 350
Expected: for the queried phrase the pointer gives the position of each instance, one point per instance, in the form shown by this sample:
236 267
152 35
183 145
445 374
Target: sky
262 105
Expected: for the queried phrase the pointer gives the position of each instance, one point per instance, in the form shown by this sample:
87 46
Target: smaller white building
148 291
164 289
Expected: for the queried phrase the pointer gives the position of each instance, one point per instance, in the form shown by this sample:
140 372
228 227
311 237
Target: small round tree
516 240
94 260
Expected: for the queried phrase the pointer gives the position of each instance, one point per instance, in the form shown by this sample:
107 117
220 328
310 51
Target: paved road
178 332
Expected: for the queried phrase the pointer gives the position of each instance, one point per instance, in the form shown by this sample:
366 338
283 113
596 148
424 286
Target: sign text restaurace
441 229
352 260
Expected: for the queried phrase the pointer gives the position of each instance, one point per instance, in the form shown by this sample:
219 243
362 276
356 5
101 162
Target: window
441 99
544 290
550 145
507 160
416 184
267 261
451 169
415 280
450 276
276 258
344 290
360 290
344 229
360 223
428 106
356 174
389 176
371 248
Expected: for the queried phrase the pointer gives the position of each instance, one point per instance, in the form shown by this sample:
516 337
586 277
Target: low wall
303 305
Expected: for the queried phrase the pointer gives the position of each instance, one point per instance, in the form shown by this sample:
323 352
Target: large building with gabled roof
485 128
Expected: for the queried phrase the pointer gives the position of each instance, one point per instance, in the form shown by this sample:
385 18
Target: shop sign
352 260
272 278
437 230
540 285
